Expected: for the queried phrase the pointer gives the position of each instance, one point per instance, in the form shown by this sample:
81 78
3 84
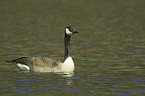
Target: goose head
70 30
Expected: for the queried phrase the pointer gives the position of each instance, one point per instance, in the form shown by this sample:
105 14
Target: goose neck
67 45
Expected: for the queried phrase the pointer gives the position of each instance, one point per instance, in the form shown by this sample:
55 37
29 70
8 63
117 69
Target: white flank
68 32
68 65
23 67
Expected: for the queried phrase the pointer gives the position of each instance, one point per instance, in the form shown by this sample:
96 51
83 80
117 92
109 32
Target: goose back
39 64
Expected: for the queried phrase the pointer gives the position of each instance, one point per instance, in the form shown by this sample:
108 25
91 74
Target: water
109 51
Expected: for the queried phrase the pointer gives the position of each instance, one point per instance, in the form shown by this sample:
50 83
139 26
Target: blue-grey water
109 51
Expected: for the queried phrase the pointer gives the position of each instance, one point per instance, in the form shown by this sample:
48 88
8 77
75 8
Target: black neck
67 45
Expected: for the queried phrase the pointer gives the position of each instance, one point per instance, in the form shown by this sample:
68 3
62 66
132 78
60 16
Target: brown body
39 64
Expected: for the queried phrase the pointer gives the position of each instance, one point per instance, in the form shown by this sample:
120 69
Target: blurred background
109 51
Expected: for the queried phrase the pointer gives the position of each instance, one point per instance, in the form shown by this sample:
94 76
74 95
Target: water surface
109 51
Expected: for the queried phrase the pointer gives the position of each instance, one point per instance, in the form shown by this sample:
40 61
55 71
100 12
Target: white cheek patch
68 32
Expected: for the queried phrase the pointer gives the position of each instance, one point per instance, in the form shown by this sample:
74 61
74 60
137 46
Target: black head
70 30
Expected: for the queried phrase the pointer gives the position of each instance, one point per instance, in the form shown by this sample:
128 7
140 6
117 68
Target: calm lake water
109 51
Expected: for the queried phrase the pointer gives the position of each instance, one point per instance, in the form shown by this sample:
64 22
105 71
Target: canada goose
44 64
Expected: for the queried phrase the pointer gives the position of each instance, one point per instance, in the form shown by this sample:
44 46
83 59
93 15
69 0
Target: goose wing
36 61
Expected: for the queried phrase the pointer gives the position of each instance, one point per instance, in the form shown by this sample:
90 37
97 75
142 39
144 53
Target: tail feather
9 61
19 60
